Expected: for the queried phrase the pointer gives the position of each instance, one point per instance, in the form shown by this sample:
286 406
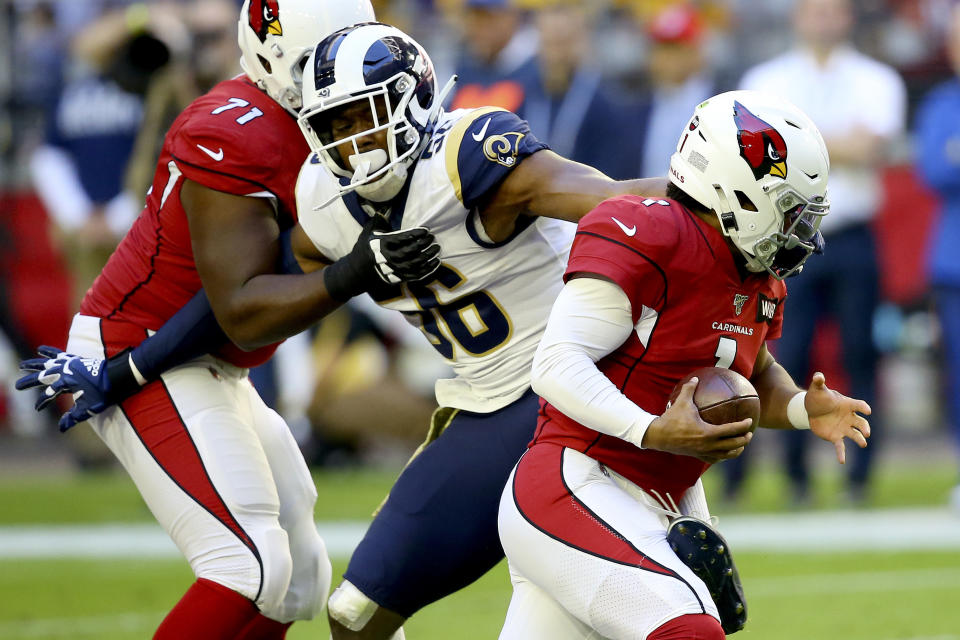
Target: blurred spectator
569 106
859 106
495 63
679 80
371 363
205 53
938 162
79 171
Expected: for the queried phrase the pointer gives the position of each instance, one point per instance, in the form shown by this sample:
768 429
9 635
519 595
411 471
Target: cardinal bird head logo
265 18
761 145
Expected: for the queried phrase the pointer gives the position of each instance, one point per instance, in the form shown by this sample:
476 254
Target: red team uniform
593 505
234 139
691 309
217 467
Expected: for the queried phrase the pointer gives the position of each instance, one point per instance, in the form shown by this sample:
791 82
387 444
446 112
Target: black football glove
381 256
704 550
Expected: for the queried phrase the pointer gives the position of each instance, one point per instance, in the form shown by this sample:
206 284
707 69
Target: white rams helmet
276 36
761 165
387 75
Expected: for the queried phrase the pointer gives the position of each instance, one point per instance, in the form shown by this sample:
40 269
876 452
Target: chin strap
438 105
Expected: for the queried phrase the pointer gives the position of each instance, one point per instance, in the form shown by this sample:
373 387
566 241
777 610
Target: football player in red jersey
219 470
655 289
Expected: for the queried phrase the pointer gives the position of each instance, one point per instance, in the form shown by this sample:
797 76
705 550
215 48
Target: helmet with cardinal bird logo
276 36
761 165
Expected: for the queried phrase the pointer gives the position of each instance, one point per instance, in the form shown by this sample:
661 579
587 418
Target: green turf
352 495
889 596
110 496
871 596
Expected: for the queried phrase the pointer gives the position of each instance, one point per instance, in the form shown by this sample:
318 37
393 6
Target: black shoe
703 549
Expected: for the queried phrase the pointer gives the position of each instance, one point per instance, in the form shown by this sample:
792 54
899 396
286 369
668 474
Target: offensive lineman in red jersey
219 470
655 289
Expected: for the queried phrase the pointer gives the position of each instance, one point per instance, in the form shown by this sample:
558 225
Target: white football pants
221 473
588 554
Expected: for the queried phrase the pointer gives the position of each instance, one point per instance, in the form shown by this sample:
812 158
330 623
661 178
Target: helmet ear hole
264 63
745 202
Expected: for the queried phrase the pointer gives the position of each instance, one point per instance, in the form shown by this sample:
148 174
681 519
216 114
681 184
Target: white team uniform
486 307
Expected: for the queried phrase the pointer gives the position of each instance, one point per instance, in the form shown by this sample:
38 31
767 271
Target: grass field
903 595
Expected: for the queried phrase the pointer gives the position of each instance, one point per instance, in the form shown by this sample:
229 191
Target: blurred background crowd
88 88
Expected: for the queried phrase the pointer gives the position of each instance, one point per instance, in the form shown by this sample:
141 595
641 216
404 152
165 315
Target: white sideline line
134 541
809 532
857 582
839 531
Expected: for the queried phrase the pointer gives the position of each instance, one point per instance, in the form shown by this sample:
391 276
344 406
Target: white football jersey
486 307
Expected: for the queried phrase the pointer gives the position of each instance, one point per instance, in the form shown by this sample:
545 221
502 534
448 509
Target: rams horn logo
502 149
761 145
265 18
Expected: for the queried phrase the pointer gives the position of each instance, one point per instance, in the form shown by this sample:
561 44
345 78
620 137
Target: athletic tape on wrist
797 412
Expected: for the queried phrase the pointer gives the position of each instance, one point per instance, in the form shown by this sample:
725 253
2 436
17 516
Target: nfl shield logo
738 301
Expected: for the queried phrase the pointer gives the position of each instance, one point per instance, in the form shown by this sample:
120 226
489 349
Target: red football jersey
234 139
691 309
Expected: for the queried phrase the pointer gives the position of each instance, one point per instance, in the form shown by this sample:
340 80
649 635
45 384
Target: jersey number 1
726 352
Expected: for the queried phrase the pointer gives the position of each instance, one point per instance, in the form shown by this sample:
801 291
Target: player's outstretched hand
40 375
834 416
383 256
680 430
59 372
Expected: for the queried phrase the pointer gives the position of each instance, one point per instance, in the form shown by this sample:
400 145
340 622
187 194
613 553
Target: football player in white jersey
479 180
388 162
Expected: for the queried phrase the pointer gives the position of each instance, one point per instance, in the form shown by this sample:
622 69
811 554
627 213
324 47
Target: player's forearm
191 332
546 184
775 388
269 308
572 193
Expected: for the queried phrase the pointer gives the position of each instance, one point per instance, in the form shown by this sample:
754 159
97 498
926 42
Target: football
722 396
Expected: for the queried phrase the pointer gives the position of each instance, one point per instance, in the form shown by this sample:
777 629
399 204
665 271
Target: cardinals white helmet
276 36
761 165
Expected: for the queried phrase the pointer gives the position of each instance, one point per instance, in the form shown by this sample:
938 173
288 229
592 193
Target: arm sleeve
483 148
590 319
288 261
191 332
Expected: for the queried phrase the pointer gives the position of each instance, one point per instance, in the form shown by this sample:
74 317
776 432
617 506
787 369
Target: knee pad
264 581
310 583
277 563
349 607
